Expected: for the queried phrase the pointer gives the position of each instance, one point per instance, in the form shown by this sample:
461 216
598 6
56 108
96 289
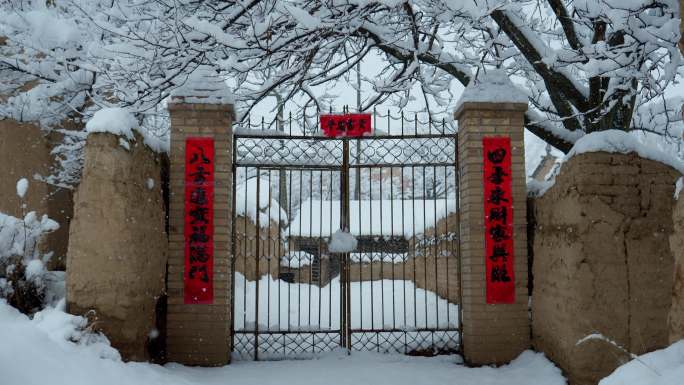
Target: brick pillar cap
491 90
203 86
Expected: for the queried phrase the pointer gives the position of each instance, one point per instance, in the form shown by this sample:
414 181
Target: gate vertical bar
233 237
256 257
344 224
457 175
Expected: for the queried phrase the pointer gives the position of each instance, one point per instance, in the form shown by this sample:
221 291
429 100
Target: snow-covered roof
494 86
246 202
321 218
204 85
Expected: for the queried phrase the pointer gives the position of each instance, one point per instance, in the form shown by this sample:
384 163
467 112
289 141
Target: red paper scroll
350 125
498 206
198 277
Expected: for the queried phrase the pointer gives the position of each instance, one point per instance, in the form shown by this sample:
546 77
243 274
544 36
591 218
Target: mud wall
269 248
116 264
676 318
25 152
602 263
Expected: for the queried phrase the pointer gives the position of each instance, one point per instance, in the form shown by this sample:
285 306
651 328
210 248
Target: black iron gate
345 243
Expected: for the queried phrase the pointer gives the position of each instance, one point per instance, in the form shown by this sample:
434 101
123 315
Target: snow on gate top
399 218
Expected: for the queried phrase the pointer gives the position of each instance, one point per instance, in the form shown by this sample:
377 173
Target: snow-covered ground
38 352
662 367
375 304
53 348
406 314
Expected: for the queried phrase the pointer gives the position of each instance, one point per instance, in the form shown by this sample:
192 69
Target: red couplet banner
498 212
350 125
199 221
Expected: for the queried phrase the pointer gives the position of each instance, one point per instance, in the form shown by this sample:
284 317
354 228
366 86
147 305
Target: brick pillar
199 334
492 334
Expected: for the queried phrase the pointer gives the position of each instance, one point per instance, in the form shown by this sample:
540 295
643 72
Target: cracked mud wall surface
116 263
25 152
603 263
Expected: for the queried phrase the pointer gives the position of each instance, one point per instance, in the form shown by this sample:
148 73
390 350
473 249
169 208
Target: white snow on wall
678 187
300 259
618 141
405 218
296 259
22 187
378 257
494 86
121 122
612 141
113 120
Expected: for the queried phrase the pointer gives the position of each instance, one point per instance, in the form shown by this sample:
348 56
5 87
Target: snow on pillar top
495 87
203 86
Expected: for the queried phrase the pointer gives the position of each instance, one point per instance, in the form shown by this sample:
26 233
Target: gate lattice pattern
397 291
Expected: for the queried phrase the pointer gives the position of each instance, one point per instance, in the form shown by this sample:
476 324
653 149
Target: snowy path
37 352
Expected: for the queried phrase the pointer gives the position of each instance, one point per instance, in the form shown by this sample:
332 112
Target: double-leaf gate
344 242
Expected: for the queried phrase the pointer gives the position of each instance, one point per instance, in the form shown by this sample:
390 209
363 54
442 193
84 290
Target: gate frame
344 170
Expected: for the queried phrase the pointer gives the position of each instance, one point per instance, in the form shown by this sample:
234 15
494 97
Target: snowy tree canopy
587 65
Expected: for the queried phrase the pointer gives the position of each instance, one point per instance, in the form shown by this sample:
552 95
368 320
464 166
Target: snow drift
55 348
661 367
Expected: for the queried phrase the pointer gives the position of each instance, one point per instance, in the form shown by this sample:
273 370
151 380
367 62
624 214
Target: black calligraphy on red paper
199 221
349 125
498 213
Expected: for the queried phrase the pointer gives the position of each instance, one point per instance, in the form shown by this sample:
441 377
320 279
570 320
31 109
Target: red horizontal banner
198 278
349 125
498 211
